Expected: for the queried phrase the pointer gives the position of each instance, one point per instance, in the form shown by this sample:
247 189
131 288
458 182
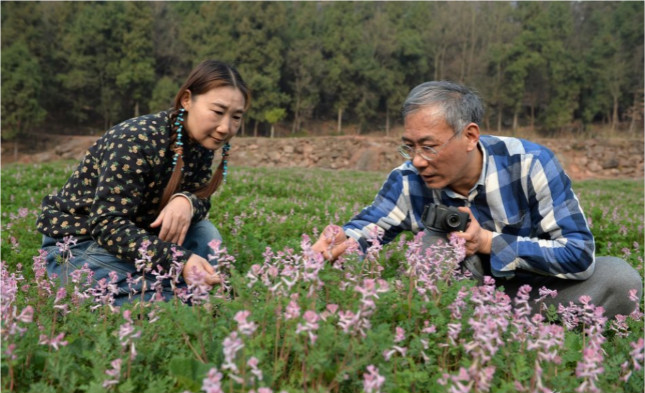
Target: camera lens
453 220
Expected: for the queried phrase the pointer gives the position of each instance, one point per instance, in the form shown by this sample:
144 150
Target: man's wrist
487 243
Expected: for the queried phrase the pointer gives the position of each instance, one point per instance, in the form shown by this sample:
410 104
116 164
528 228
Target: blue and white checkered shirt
523 196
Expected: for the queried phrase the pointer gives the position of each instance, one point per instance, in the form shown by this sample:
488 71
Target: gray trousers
608 286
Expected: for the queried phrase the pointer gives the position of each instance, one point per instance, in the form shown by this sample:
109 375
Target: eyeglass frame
434 152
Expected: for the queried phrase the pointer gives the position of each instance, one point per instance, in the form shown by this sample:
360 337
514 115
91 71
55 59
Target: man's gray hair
460 104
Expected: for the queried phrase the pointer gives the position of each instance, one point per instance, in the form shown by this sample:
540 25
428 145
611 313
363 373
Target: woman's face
214 117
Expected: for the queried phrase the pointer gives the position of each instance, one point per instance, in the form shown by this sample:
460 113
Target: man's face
427 128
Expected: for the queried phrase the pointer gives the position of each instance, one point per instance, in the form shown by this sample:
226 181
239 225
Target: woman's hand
198 269
174 220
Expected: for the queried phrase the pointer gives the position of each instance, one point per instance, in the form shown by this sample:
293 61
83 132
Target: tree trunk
614 115
272 131
255 129
387 121
499 119
296 116
340 120
515 121
136 109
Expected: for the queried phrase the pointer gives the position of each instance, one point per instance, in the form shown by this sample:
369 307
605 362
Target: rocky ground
582 158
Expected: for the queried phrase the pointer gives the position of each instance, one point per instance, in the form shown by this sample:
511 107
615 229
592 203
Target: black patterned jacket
113 195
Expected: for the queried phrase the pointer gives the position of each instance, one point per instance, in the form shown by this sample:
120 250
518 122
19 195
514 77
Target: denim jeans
101 262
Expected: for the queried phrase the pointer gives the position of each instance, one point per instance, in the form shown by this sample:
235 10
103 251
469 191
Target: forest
550 66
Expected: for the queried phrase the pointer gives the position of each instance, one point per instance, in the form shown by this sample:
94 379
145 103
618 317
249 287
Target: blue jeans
101 262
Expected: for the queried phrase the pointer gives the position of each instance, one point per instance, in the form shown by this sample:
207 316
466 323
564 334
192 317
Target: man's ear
471 132
186 99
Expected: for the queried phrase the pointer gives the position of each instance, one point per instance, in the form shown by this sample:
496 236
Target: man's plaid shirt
523 196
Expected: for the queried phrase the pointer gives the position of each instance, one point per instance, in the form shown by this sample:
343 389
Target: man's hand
332 242
478 239
174 220
197 269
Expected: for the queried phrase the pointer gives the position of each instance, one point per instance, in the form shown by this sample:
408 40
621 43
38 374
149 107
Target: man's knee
623 285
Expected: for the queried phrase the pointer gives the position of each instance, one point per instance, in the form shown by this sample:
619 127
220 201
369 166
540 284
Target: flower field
393 320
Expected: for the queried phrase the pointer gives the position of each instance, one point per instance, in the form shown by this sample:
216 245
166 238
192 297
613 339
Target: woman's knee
199 237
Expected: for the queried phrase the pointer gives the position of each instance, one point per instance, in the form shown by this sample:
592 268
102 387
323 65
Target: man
526 225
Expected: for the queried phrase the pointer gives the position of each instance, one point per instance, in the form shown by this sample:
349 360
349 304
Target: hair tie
179 145
225 149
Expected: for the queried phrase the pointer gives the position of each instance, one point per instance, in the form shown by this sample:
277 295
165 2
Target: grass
263 210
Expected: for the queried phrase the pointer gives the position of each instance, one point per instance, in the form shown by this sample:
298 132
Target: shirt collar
482 175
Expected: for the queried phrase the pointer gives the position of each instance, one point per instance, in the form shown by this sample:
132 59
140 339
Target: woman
142 191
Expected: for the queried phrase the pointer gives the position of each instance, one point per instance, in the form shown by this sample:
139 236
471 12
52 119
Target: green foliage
547 65
263 214
163 94
21 85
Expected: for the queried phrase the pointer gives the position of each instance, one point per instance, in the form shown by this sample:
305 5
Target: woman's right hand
201 267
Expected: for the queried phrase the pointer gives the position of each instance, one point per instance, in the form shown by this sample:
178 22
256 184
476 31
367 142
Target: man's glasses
428 153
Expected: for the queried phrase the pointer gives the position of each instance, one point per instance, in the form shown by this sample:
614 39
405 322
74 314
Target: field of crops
285 321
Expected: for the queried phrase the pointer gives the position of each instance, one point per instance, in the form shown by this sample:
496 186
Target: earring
179 145
225 149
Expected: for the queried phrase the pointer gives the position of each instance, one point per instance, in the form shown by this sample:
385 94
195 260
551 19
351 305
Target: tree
136 73
341 36
303 66
273 116
92 62
21 86
163 94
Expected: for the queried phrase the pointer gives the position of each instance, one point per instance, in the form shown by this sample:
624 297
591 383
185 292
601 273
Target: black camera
444 219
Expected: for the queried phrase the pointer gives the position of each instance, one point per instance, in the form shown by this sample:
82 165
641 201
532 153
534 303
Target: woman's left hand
174 220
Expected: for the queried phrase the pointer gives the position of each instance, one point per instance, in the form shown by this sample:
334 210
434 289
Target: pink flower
332 308
310 325
27 315
637 354
293 310
53 342
632 295
399 335
114 372
245 327
230 346
144 264
387 354
213 382
427 328
253 363
372 381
